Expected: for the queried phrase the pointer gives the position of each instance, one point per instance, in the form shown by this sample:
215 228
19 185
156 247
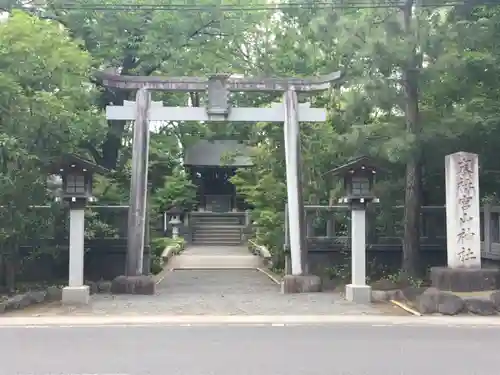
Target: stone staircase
217 229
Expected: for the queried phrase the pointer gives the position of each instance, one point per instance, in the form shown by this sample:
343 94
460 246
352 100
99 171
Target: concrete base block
133 285
361 294
465 279
301 284
76 295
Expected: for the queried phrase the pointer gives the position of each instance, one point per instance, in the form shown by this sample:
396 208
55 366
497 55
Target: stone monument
462 210
464 272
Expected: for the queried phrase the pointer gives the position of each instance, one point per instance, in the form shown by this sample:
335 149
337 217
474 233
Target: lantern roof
360 162
70 160
174 209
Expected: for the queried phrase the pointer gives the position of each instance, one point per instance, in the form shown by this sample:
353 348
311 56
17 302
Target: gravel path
213 292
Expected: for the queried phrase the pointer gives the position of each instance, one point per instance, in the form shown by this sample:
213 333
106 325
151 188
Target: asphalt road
244 350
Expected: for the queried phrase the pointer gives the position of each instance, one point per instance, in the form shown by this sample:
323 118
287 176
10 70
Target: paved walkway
215 257
216 250
213 292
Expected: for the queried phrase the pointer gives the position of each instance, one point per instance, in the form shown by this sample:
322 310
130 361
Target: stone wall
328 238
105 255
104 259
328 253
325 253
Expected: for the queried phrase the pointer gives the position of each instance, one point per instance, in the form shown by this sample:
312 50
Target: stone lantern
76 188
359 176
77 177
174 213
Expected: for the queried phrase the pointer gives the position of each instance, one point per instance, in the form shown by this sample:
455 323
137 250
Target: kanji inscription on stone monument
462 210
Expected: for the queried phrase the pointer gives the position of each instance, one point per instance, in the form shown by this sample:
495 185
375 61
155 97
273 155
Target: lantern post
359 177
76 190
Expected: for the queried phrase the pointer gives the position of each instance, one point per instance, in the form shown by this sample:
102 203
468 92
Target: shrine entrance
217 88
210 169
218 203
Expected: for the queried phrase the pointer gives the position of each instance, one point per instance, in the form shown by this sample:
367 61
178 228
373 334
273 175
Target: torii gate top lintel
230 83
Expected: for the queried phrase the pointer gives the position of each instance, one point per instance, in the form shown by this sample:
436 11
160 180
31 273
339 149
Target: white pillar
292 155
76 293
358 245
358 291
462 210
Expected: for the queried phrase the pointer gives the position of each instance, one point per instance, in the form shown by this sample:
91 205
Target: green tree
147 42
177 191
45 110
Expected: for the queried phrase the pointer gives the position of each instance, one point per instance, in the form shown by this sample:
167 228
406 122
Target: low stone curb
49 294
434 301
120 320
169 252
261 251
277 279
23 300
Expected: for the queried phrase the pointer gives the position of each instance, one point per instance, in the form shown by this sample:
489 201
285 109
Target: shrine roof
218 153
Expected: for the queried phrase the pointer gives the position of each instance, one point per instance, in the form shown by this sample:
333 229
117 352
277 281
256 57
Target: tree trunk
10 273
411 237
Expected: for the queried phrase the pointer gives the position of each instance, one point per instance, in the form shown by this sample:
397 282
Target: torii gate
218 108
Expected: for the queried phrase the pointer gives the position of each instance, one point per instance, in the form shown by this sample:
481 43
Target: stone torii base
301 284
142 284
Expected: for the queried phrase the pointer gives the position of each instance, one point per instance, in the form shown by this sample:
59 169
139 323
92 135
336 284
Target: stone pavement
215 257
213 292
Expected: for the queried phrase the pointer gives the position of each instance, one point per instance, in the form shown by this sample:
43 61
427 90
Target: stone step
217 227
213 234
218 242
222 232
215 239
184 261
217 221
218 218
223 241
